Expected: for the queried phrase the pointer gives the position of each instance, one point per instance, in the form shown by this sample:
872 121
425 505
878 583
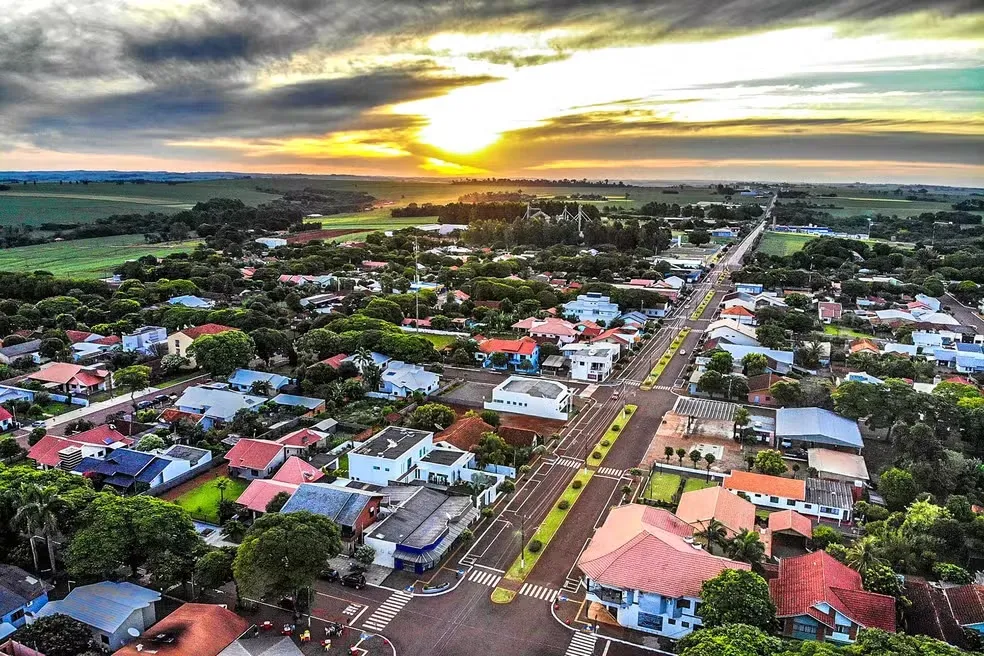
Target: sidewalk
122 400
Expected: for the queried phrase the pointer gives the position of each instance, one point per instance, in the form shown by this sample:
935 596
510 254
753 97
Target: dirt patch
544 427
310 235
672 432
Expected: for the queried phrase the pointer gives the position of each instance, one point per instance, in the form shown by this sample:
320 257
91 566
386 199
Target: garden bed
695 315
664 360
616 428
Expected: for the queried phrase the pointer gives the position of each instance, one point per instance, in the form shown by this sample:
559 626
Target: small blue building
749 288
242 380
20 595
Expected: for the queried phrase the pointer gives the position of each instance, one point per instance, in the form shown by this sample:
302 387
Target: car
354 580
143 405
38 424
683 351
162 398
796 453
328 574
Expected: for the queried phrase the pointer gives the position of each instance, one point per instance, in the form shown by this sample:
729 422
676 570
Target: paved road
967 316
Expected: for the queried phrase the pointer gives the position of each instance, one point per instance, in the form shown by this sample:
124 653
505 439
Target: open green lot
439 341
86 258
778 243
698 484
203 502
662 486
844 332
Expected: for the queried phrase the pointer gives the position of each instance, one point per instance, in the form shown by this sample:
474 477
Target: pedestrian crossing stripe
610 471
351 609
582 644
569 462
484 578
540 592
572 585
387 611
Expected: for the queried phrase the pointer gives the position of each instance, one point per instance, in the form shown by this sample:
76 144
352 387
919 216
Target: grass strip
502 596
614 430
664 360
695 315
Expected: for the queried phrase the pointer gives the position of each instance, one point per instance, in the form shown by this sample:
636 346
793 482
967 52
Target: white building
402 379
145 339
271 242
591 362
532 396
592 307
814 497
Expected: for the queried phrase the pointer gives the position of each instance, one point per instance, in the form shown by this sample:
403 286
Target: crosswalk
540 592
569 462
572 585
482 577
387 611
582 644
351 609
610 471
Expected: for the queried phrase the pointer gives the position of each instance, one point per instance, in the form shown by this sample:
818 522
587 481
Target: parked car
162 398
329 574
143 405
354 580
37 424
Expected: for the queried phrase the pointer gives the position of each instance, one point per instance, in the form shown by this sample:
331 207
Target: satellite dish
133 632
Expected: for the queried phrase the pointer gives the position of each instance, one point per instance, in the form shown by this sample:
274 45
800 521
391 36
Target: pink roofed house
296 471
261 492
74 378
251 459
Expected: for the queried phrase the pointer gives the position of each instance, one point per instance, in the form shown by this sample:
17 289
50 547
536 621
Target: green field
439 341
778 243
203 502
662 487
697 484
377 219
85 258
840 331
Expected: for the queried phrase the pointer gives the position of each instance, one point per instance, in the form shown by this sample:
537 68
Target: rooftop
445 456
833 494
839 463
261 491
18 588
392 442
296 471
817 425
790 521
341 505
543 389
205 329
423 519
253 454
105 606
787 488
199 629
698 507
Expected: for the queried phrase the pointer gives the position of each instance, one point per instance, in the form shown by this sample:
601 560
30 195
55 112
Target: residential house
7 420
816 426
377 359
73 378
65 453
829 312
789 530
521 354
198 629
593 362
271 242
145 340
760 388
242 380
618 567
740 314
699 507
625 337
216 404
109 610
127 470
304 441
402 380
21 597
322 303
819 598
300 281
778 362
260 492
965 359
813 497
730 331
296 471
416 534
178 343
29 349
352 509
532 396
966 603
839 466
251 459
550 330
309 405
864 346
191 301
592 306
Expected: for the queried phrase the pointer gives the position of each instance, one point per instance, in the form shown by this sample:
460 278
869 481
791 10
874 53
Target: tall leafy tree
737 597
38 511
746 547
222 354
270 342
55 635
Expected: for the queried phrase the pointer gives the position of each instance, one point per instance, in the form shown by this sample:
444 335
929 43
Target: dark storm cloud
198 48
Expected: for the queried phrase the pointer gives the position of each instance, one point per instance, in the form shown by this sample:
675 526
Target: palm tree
862 554
362 358
221 485
713 533
741 420
372 376
37 510
668 452
746 547
709 459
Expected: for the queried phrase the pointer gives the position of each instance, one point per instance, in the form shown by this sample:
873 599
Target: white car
683 351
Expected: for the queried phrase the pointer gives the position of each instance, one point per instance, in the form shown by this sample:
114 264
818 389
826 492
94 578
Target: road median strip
695 315
664 360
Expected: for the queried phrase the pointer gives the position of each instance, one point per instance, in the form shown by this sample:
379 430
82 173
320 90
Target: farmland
777 243
85 258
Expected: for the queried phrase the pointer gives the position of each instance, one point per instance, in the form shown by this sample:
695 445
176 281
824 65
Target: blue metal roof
817 425
104 606
944 355
294 400
247 377
337 504
968 348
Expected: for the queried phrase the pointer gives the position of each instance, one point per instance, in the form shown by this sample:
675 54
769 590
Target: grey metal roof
189 453
18 588
705 409
833 494
444 456
262 645
341 505
817 425
423 519
298 401
554 361
391 442
105 606
18 350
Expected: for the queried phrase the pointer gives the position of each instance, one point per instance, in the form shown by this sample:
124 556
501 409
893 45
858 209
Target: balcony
606 595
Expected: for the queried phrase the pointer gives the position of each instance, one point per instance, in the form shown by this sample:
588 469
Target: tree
490 417
150 443
223 353
754 364
214 569
898 488
771 335
54 349
746 547
365 554
270 342
786 394
55 635
680 454
431 416
730 640
173 362
737 597
698 237
721 362
319 342
372 377
709 460
881 579
491 450
38 511
862 555
283 553
711 382
278 501
499 359
741 419
824 535
384 309
769 461
694 456
713 532
668 452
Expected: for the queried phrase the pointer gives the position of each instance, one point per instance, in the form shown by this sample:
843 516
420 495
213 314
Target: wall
200 468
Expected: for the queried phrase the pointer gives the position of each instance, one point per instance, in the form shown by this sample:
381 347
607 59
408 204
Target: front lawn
698 484
841 331
662 487
203 501
440 342
55 408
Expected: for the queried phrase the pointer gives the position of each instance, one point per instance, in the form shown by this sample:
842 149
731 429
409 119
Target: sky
797 90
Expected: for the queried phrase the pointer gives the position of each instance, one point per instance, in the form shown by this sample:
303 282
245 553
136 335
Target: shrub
564 504
487 511
605 443
467 535
534 546
596 455
616 427
952 573
627 410
576 485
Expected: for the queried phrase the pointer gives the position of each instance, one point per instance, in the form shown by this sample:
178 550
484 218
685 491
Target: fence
501 469
663 466
184 477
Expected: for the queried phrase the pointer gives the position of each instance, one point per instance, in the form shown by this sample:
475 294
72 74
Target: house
743 316
532 396
592 306
296 471
829 312
21 597
778 362
839 466
593 362
216 404
271 242
402 379
813 497
260 492
643 566
109 609
550 330
73 378
749 288
199 629
191 301
378 359
421 530
6 420
625 337
759 388
352 509
29 349
864 346
731 331
65 453
251 459
304 441
145 340
521 354
127 470
242 380
699 507
819 598
94 350
816 426
788 529
178 343
966 603
310 405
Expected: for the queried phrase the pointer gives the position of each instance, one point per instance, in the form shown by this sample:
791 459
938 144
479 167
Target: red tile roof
108 340
830 310
334 361
261 491
465 433
4 414
199 629
302 437
296 471
522 346
642 282
790 520
173 416
634 537
806 581
101 435
45 452
697 507
91 378
765 381
967 602
737 310
551 326
787 488
57 372
206 329
253 454
76 336
864 345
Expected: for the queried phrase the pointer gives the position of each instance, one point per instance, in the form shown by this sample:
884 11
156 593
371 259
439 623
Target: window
790 502
683 603
16 615
829 511
671 622
375 467
841 628
104 638
808 506
685 625
774 499
799 627
253 472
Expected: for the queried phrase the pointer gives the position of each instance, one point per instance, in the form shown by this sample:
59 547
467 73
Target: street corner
338 608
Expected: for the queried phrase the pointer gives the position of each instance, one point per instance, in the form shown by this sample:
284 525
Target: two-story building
145 340
644 567
520 354
822 499
401 380
592 306
178 343
21 597
593 362
550 330
532 396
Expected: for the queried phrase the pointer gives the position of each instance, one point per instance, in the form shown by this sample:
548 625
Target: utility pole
522 541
